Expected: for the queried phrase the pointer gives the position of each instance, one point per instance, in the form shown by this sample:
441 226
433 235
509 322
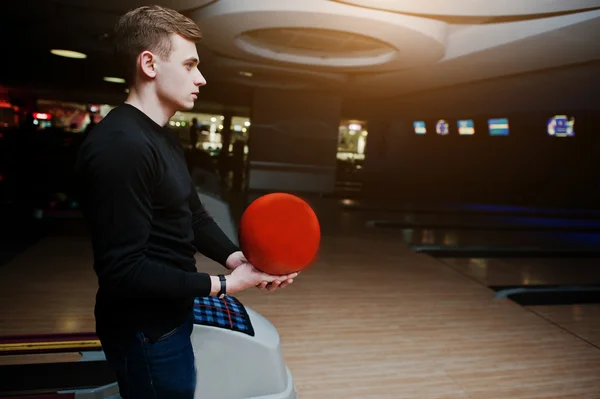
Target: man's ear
148 64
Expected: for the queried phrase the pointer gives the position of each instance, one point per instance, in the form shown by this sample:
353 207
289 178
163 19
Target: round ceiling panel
473 8
317 33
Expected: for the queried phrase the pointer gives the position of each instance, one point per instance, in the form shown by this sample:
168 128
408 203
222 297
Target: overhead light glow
68 54
113 79
42 116
246 74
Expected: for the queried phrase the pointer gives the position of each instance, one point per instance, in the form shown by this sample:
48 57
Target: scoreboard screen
561 126
466 127
419 127
442 128
498 126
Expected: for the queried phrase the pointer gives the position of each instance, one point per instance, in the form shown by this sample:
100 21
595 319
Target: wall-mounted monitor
419 127
498 126
466 127
442 127
561 126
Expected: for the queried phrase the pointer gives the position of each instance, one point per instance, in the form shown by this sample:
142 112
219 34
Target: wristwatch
223 290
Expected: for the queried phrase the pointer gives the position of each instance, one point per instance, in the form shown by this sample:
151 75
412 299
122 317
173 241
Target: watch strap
223 290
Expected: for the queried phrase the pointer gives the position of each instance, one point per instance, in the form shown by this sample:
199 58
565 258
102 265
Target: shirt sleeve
209 238
120 174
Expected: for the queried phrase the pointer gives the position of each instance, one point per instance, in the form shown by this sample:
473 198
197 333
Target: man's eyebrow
192 59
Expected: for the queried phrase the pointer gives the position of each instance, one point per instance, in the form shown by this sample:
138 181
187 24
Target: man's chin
187 106
184 105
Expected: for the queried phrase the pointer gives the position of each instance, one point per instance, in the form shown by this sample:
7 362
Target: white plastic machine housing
234 365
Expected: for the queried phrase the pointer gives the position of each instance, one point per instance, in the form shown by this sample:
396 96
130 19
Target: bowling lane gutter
475 251
547 213
479 226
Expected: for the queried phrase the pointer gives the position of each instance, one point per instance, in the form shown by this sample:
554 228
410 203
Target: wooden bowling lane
481 222
582 320
528 271
369 320
395 208
498 239
476 230
66 357
48 289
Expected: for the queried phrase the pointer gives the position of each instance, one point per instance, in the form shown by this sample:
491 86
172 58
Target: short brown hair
149 28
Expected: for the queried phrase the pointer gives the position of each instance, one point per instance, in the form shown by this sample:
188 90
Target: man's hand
235 260
281 283
246 276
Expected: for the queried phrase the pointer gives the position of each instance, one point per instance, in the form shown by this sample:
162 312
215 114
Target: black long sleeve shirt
146 223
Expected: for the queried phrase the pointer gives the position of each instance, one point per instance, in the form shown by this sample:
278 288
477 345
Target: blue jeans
164 369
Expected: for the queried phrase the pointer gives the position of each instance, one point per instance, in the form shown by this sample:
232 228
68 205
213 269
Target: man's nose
200 81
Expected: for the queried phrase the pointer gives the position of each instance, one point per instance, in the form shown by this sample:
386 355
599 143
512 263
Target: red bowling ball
280 234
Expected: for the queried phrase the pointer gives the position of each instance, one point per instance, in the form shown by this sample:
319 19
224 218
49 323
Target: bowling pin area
445 303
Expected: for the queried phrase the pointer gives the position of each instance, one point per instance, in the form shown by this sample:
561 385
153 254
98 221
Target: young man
145 217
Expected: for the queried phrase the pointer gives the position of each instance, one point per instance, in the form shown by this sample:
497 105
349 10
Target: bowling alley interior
443 157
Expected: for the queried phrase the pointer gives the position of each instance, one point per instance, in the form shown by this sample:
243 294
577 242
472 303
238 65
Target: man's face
178 78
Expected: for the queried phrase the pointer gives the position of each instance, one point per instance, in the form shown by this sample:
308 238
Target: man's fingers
286 278
273 286
286 283
281 277
293 275
269 278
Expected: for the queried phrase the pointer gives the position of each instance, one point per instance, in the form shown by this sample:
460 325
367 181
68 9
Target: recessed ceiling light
246 74
68 54
113 79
